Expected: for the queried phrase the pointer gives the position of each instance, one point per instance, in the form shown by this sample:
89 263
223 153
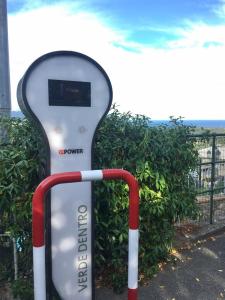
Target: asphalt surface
197 274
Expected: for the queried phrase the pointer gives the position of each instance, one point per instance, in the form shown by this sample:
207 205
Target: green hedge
160 157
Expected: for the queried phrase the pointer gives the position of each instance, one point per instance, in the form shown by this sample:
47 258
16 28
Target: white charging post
68 94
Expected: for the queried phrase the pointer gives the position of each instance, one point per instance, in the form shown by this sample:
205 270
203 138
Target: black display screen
69 93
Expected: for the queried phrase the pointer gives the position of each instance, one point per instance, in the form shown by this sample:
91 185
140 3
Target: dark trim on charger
23 103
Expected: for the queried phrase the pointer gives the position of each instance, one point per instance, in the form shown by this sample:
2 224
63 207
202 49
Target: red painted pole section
38 202
132 294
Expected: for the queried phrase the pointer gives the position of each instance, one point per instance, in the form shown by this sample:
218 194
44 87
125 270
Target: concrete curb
203 232
211 231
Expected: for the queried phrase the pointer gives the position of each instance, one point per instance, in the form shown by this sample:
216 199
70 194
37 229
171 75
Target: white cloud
184 80
219 10
199 35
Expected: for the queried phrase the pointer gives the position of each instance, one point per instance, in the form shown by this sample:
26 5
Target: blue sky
147 22
172 53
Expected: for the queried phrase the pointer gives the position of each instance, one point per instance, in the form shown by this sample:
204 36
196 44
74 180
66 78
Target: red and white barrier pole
38 224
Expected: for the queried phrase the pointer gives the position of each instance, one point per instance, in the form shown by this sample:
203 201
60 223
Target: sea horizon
196 123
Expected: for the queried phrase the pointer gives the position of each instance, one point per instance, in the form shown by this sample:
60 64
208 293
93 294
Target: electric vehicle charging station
67 94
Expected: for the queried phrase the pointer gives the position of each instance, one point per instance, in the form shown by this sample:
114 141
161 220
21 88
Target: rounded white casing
69 131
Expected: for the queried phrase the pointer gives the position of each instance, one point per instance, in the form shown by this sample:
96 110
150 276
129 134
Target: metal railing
38 224
210 176
14 246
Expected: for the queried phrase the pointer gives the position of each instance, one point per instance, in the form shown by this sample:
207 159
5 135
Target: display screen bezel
69 93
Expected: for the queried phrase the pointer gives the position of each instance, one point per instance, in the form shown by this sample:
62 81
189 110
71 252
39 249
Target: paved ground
199 274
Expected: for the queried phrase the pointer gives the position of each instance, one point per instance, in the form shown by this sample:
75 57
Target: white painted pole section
91 175
133 259
39 273
15 259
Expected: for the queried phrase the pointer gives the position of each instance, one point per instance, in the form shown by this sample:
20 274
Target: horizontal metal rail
207 135
210 162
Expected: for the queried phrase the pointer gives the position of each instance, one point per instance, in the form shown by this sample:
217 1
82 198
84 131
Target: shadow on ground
197 274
